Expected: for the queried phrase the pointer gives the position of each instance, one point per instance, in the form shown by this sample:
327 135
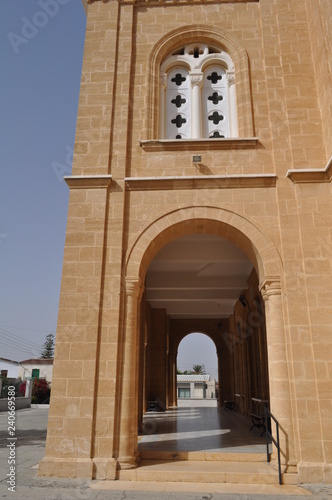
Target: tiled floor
200 429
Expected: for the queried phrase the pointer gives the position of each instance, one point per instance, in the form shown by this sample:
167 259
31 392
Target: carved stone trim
176 2
196 79
162 79
88 181
199 144
200 182
230 75
134 287
302 176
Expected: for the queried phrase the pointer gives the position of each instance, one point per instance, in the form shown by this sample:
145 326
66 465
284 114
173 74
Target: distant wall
20 403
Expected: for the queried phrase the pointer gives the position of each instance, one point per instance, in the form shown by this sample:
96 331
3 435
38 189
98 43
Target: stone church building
200 201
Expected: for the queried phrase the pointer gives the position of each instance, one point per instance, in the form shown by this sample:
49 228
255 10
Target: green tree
198 369
48 347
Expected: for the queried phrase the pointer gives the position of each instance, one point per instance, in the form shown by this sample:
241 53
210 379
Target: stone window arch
196 50
197 94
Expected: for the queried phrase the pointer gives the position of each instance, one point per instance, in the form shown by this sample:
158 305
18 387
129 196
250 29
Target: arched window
197 94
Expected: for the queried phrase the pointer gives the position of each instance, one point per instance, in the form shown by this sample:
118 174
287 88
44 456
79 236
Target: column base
128 462
105 468
66 467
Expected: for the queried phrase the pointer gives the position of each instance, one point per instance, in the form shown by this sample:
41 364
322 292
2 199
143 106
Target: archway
262 255
197 370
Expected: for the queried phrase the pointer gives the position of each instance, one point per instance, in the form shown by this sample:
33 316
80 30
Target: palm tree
198 369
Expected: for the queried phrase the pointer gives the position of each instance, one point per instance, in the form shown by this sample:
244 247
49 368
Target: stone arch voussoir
204 220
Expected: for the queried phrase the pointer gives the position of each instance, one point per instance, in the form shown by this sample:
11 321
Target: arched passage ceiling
197 276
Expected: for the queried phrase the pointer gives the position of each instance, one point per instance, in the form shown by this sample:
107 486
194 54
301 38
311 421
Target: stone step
204 472
202 456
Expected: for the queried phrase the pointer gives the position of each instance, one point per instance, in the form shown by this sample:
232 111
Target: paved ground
200 429
31 432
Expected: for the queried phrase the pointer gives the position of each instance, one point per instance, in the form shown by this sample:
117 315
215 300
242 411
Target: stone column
219 403
128 454
196 105
280 396
173 379
144 373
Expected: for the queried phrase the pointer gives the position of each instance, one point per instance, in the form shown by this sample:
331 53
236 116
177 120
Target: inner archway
197 370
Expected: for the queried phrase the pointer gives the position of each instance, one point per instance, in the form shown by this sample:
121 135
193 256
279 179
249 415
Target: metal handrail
268 432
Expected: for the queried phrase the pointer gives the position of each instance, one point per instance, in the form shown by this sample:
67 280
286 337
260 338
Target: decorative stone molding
199 144
167 2
200 182
134 287
176 2
88 181
162 79
230 75
196 79
304 175
270 285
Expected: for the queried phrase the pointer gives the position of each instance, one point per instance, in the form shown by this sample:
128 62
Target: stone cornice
200 182
304 175
179 2
199 144
170 2
88 181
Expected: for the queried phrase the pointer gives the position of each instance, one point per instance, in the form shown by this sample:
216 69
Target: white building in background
196 387
36 368
8 368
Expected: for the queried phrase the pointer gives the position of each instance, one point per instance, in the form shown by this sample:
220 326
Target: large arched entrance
251 251
201 282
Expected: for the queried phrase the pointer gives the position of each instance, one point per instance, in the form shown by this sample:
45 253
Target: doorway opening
201 283
197 371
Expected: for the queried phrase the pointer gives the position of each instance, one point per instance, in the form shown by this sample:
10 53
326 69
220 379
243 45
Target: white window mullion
196 79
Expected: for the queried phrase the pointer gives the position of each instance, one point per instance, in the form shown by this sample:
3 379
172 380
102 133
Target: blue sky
41 55
41 51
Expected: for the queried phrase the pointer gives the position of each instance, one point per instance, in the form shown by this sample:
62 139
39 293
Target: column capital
269 286
162 79
134 287
230 75
196 78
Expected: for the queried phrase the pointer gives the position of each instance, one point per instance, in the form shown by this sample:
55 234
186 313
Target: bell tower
201 174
